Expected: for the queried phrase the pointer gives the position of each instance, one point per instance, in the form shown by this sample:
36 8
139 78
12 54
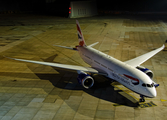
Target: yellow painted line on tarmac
117 105
162 100
142 105
150 104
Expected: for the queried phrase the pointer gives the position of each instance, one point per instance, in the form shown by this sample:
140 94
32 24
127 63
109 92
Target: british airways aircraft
129 73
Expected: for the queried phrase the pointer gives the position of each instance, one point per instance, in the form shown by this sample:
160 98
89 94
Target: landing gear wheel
142 100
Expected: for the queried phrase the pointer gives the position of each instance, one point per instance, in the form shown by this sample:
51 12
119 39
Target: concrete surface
35 92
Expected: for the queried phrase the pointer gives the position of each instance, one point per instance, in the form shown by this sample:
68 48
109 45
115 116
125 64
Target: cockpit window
148 85
144 85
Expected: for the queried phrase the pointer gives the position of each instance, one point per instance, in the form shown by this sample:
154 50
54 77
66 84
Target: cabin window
103 65
144 85
96 62
110 69
87 57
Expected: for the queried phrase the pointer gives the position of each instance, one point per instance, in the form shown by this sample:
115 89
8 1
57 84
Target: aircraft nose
153 92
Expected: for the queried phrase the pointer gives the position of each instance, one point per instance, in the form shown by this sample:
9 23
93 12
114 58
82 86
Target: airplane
129 73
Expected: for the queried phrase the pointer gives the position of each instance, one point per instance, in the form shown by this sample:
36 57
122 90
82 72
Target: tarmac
36 92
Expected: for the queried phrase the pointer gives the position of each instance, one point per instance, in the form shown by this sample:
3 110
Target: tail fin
80 36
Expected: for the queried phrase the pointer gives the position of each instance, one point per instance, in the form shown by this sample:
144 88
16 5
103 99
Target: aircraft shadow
102 89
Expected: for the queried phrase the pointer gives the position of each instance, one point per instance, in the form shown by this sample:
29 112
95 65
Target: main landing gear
142 98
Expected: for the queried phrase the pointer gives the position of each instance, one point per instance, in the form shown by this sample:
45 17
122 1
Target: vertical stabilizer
80 35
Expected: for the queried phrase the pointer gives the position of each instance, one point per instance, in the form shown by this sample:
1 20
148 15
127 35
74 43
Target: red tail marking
81 43
78 28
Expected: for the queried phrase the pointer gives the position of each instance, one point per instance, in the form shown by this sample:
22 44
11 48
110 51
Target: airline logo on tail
80 36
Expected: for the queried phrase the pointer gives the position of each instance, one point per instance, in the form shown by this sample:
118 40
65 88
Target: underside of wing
69 67
141 59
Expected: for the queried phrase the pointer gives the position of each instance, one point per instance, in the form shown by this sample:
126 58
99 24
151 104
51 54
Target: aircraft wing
141 59
70 67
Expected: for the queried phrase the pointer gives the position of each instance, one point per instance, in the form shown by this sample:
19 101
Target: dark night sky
133 5
113 5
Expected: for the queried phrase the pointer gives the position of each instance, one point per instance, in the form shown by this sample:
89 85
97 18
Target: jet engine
146 71
85 80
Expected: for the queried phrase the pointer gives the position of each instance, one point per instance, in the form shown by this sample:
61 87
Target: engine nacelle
146 71
85 80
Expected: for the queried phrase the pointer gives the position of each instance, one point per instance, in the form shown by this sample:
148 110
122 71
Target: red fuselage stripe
132 78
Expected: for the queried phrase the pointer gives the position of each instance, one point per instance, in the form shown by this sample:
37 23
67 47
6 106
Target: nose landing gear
142 99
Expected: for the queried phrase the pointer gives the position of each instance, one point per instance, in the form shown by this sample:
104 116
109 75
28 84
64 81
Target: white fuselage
123 73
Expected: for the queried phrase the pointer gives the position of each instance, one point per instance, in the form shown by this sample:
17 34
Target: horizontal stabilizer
93 44
65 47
